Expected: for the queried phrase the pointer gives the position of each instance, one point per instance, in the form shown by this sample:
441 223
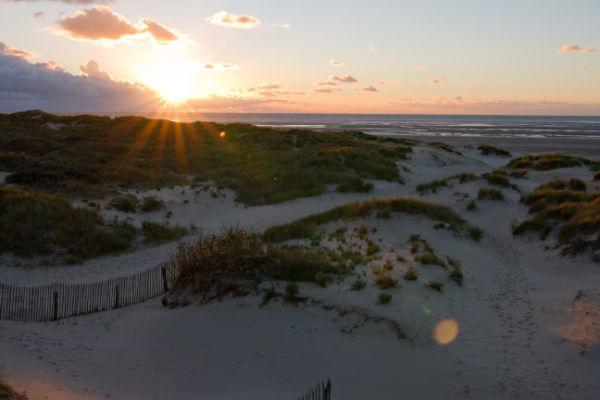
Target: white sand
516 300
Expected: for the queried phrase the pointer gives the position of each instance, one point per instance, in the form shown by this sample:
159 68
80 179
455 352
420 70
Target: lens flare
222 135
445 331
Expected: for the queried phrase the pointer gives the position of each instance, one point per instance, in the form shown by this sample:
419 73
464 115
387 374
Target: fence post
116 296
55 298
164 276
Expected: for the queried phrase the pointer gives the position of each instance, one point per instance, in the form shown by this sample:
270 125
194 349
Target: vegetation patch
567 206
445 147
8 393
92 155
384 298
490 194
157 233
152 204
126 203
307 227
411 274
433 186
488 150
549 161
38 224
234 262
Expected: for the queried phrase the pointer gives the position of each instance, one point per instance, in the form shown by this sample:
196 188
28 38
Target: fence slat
56 301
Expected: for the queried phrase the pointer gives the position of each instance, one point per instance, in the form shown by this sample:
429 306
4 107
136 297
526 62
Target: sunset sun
174 85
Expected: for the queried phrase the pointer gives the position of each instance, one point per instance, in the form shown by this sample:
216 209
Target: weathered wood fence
57 301
320 392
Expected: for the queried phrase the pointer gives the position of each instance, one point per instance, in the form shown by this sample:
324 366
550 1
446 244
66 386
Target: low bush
472 206
125 203
549 161
151 204
384 298
490 194
411 274
436 286
385 281
162 233
497 178
34 223
234 262
575 212
358 284
488 150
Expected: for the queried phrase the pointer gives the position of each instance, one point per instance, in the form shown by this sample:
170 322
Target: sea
587 127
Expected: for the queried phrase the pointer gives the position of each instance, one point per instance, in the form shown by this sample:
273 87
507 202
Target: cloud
25 85
92 69
389 82
326 83
419 68
367 89
220 67
223 18
327 90
343 79
336 63
100 23
63 1
436 79
282 25
574 48
38 14
11 51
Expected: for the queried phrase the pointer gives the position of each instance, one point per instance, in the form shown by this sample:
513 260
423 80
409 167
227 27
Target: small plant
372 248
490 194
323 279
472 206
456 273
268 296
475 233
388 265
429 257
488 150
291 292
439 226
151 204
411 274
358 284
385 281
497 178
362 232
384 298
161 233
436 286
126 203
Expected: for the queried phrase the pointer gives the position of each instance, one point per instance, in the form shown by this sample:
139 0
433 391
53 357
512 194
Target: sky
328 56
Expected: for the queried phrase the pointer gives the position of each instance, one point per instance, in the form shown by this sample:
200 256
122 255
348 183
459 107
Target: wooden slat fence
57 301
320 392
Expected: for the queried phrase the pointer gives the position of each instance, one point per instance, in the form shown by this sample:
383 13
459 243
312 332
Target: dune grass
38 224
306 228
433 186
490 194
488 150
234 262
567 206
156 233
549 161
92 155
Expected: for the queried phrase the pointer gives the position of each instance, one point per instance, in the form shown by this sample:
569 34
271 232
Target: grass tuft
549 161
488 150
384 298
490 194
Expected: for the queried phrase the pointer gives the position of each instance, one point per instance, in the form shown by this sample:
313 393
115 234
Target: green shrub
384 298
456 273
151 204
437 286
472 206
291 292
490 194
488 150
575 211
385 281
497 178
126 203
411 274
162 233
234 262
358 284
40 224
